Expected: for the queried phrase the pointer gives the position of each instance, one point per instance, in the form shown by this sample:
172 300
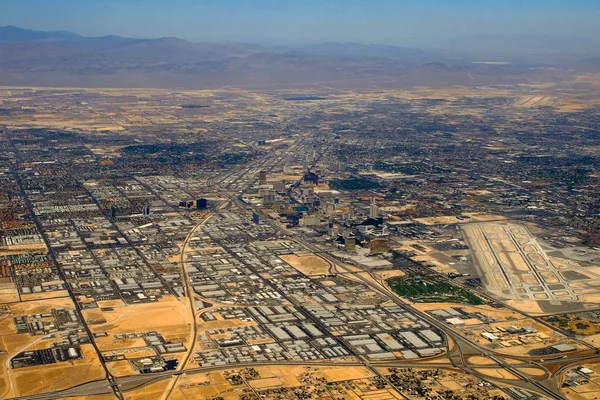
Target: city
299 200
404 244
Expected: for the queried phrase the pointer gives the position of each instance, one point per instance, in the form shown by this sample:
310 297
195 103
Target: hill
37 58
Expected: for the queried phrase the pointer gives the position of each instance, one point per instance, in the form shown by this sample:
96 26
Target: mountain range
61 58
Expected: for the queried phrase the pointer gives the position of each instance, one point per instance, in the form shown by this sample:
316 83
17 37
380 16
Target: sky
396 22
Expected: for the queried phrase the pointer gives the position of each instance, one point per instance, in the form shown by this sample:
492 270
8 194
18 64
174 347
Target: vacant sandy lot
58 376
204 386
9 295
308 265
121 368
496 373
153 391
170 317
479 360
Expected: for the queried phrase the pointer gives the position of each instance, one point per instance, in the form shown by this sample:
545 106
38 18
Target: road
463 348
230 179
233 185
109 377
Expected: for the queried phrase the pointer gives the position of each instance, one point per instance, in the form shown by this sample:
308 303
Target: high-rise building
113 212
311 177
262 177
379 246
201 204
269 198
330 206
256 218
147 209
279 186
373 210
337 166
350 243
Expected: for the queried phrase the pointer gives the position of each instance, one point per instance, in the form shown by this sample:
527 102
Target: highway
232 186
109 377
462 346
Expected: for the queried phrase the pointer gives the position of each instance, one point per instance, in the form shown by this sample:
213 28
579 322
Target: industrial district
409 244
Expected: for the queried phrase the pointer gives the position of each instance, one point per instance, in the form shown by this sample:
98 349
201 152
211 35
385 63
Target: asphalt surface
458 348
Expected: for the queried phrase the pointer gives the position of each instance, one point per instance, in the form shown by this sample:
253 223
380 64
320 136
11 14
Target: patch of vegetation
168 153
234 158
570 178
407 169
581 325
420 289
575 324
354 184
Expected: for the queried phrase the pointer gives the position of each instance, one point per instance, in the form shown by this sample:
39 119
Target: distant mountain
15 34
36 58
366 50
590 62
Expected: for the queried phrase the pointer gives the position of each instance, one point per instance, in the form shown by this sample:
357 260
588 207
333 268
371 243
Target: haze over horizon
401 23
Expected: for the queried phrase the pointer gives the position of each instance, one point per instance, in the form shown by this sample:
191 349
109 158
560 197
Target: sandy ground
153 391
530 306
384 275
23 248
9 295
58 376
342 373
120 368
169 317
593 339
582 392
44 295
205 386
308 265
266 383
479 360
533 372
496 373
